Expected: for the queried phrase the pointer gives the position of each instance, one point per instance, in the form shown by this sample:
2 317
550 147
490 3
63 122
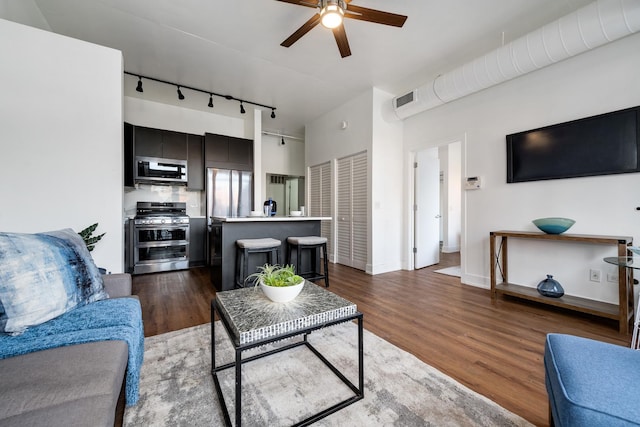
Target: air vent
278 179
406 99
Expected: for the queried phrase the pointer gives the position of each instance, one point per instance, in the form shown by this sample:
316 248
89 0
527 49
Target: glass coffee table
251 320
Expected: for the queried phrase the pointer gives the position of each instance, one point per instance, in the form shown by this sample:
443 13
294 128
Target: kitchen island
224 231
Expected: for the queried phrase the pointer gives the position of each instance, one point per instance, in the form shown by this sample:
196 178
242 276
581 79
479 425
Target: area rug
176 387
450 271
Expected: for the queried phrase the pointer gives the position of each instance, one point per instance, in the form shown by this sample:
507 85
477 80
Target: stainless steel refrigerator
229 192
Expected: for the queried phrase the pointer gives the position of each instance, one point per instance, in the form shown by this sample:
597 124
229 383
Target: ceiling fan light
331 15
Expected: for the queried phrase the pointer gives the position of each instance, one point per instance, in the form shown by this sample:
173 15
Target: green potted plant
89 239
279 283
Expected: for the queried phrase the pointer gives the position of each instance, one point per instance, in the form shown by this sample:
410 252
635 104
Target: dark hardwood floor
495 349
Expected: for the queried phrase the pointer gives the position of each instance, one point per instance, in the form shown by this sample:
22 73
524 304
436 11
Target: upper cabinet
142 141
228 152
165 144
200 152
195 162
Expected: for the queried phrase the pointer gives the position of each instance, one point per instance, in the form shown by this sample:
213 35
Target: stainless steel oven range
160 237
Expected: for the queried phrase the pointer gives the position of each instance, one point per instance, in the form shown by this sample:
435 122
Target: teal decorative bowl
553 225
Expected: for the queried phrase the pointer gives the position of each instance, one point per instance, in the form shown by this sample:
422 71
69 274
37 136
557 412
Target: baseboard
475 280
450 249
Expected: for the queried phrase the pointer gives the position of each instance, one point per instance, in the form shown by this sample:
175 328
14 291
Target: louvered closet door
351 225
320 198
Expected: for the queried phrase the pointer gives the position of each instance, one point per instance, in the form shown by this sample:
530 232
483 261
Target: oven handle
163 243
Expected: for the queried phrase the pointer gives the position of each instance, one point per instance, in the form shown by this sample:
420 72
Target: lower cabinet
197 238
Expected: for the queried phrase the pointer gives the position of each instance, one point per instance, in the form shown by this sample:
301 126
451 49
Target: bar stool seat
314 243
245 247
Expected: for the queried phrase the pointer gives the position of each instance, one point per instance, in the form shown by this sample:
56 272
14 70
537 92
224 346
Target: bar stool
314 243
244 247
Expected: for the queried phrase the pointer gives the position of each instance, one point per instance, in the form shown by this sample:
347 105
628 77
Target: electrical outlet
612 277
594 275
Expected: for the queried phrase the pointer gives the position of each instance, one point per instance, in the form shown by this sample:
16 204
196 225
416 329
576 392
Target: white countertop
270 219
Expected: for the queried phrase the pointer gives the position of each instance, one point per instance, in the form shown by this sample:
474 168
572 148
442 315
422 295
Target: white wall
61 137
386 183
160 107
158 115
367 130
605 79
278 159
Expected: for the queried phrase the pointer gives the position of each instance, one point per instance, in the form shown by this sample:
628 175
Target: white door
351 211
319 203
427 210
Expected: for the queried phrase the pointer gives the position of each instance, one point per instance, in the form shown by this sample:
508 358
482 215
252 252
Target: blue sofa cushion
591 383
44 275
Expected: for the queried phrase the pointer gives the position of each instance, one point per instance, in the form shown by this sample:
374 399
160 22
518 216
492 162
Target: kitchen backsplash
163 193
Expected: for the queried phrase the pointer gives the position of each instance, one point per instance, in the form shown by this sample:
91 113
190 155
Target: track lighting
211 94
282 141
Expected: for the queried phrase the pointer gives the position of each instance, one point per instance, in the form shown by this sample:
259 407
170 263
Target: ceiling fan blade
372 15
306 27
309 3
341 40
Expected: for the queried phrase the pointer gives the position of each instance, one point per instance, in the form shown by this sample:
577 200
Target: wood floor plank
495 348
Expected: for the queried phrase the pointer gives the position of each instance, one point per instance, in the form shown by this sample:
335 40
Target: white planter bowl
283 293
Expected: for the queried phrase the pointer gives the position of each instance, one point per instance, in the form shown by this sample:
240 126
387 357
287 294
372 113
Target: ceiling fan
330 15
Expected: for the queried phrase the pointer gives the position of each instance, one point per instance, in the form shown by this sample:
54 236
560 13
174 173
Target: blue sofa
591 383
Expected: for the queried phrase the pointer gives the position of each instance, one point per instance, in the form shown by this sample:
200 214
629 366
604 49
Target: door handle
438 216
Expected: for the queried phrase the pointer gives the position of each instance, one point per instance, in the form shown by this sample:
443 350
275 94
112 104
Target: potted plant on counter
279 283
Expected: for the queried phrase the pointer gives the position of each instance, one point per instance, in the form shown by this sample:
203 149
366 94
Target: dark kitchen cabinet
221 151
160 143
128 155
174 145
197 236
195 163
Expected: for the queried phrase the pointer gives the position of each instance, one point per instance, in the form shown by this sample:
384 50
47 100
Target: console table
622 312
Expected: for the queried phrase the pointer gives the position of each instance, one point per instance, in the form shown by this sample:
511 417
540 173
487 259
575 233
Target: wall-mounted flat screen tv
599 145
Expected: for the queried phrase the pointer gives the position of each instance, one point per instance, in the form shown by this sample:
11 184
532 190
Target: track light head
139 87
242 110
273 113
282 141
180 95
210 101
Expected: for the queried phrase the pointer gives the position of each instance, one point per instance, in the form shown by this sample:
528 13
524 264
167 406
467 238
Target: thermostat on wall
473 183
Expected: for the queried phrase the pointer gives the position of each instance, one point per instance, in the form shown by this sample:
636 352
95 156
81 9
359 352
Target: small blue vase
550 287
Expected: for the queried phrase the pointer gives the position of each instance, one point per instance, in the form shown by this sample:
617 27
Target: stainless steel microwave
169 171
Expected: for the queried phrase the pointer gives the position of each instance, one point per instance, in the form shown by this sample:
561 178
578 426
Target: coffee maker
272 206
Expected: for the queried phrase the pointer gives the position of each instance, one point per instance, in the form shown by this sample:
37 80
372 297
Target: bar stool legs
314 243
245 247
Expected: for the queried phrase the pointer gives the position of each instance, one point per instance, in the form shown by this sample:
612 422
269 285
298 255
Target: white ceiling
233 46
